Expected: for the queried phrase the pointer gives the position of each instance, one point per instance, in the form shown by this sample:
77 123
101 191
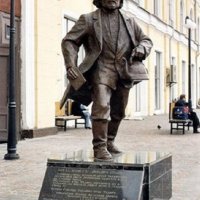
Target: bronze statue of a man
109 37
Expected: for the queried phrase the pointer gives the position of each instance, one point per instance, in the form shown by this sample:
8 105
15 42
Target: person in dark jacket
192 115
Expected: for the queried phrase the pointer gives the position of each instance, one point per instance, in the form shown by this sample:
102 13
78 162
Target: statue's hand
138 53
71 73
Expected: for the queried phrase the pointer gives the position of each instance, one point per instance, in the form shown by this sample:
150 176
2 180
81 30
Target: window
69 23
158 81
191 14
184 78
157 7
141 3
193 78
199 84
171 12
173 77
7 31
198 30
192 18
138 97
173 69
181 16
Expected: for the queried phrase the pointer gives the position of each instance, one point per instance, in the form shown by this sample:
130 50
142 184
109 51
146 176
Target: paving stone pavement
22 179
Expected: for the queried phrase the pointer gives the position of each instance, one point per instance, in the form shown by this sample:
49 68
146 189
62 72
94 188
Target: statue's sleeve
72 41
142 39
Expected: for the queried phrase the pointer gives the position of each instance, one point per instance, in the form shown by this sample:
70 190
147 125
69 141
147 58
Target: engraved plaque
91 183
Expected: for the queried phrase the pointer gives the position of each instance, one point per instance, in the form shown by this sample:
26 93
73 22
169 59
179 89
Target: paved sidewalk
22 179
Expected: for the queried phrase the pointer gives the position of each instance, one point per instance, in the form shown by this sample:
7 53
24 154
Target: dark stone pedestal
132 176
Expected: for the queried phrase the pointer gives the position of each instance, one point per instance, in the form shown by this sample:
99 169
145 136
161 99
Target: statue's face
111 4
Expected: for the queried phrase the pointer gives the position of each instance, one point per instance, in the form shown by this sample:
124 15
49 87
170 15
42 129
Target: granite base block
132 176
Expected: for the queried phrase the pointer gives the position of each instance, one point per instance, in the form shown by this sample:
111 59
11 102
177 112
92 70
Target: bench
63 115
180 124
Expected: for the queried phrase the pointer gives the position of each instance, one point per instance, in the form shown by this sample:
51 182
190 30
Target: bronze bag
136 71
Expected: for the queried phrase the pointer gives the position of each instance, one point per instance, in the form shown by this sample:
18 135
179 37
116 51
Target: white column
28 65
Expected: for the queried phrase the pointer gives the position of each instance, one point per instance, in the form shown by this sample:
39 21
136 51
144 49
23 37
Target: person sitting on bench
81 110
192 115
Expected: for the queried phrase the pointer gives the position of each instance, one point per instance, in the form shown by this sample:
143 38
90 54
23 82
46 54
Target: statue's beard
111 6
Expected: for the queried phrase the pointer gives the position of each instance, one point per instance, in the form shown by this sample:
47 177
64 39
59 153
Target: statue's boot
112 132
99 129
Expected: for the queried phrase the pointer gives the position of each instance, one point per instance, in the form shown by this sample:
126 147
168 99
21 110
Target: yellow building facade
164 22
44 24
